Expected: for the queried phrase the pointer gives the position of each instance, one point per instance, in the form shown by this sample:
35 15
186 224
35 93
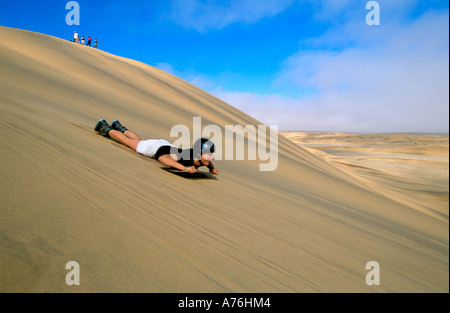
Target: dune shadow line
195 176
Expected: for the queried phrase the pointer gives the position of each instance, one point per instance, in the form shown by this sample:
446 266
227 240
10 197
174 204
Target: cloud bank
388 78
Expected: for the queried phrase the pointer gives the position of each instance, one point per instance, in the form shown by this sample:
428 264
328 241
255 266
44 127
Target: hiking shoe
103 127
117 126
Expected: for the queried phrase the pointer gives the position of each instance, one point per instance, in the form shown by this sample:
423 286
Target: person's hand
190 169
215 171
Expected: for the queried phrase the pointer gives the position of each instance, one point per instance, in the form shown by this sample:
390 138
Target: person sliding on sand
187 160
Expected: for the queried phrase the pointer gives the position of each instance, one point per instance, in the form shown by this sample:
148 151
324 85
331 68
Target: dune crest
69 194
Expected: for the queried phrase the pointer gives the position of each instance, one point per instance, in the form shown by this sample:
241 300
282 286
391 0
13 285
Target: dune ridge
70 194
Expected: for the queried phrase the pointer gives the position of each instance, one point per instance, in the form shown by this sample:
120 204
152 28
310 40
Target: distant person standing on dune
89 41
75 37
95 43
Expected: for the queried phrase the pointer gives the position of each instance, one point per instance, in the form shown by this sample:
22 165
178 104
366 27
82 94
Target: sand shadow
198 175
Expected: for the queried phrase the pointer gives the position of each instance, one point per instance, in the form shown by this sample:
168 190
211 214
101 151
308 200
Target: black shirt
184 156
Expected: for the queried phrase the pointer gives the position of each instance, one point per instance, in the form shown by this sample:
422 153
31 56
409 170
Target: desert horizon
335 202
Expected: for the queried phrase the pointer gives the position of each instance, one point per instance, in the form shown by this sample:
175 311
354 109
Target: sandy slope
70 194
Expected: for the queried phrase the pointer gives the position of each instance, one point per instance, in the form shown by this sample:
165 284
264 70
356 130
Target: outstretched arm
211 168
168 159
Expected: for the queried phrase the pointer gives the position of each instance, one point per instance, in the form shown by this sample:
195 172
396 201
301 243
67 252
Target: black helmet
203 145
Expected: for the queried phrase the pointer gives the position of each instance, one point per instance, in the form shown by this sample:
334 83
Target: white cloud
205 15
392 78
289 113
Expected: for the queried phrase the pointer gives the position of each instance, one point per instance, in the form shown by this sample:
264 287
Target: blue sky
298 64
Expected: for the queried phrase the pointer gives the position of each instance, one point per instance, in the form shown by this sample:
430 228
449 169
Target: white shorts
149 147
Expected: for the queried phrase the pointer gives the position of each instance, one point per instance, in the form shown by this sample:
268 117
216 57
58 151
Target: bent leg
131 135
125 140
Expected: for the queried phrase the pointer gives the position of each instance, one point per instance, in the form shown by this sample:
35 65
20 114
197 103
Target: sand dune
409 168
70 194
